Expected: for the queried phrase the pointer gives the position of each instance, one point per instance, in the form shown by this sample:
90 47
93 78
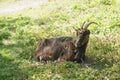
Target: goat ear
71 45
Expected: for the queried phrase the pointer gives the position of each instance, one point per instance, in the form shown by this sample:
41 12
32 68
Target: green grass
20 32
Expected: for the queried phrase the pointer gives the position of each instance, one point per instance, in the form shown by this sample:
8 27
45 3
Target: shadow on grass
9 69
103 52
12 56
15 61
99 63
21 49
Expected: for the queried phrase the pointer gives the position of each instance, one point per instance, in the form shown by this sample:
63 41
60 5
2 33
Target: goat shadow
98 63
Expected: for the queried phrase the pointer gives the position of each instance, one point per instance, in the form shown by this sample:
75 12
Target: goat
81 41
56 43
49 49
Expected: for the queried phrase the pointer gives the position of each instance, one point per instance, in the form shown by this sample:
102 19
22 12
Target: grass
20 32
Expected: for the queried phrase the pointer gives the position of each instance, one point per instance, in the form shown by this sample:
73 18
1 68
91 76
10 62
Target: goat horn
75 28
87 25
83 25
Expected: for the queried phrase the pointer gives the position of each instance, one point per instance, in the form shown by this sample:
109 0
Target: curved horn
83 25
87 25
75 29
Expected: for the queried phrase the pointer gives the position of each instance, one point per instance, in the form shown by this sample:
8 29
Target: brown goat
55 48
49 49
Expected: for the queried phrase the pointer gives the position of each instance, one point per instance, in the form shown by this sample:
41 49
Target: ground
19 5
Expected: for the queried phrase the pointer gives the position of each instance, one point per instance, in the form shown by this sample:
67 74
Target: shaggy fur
49 49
